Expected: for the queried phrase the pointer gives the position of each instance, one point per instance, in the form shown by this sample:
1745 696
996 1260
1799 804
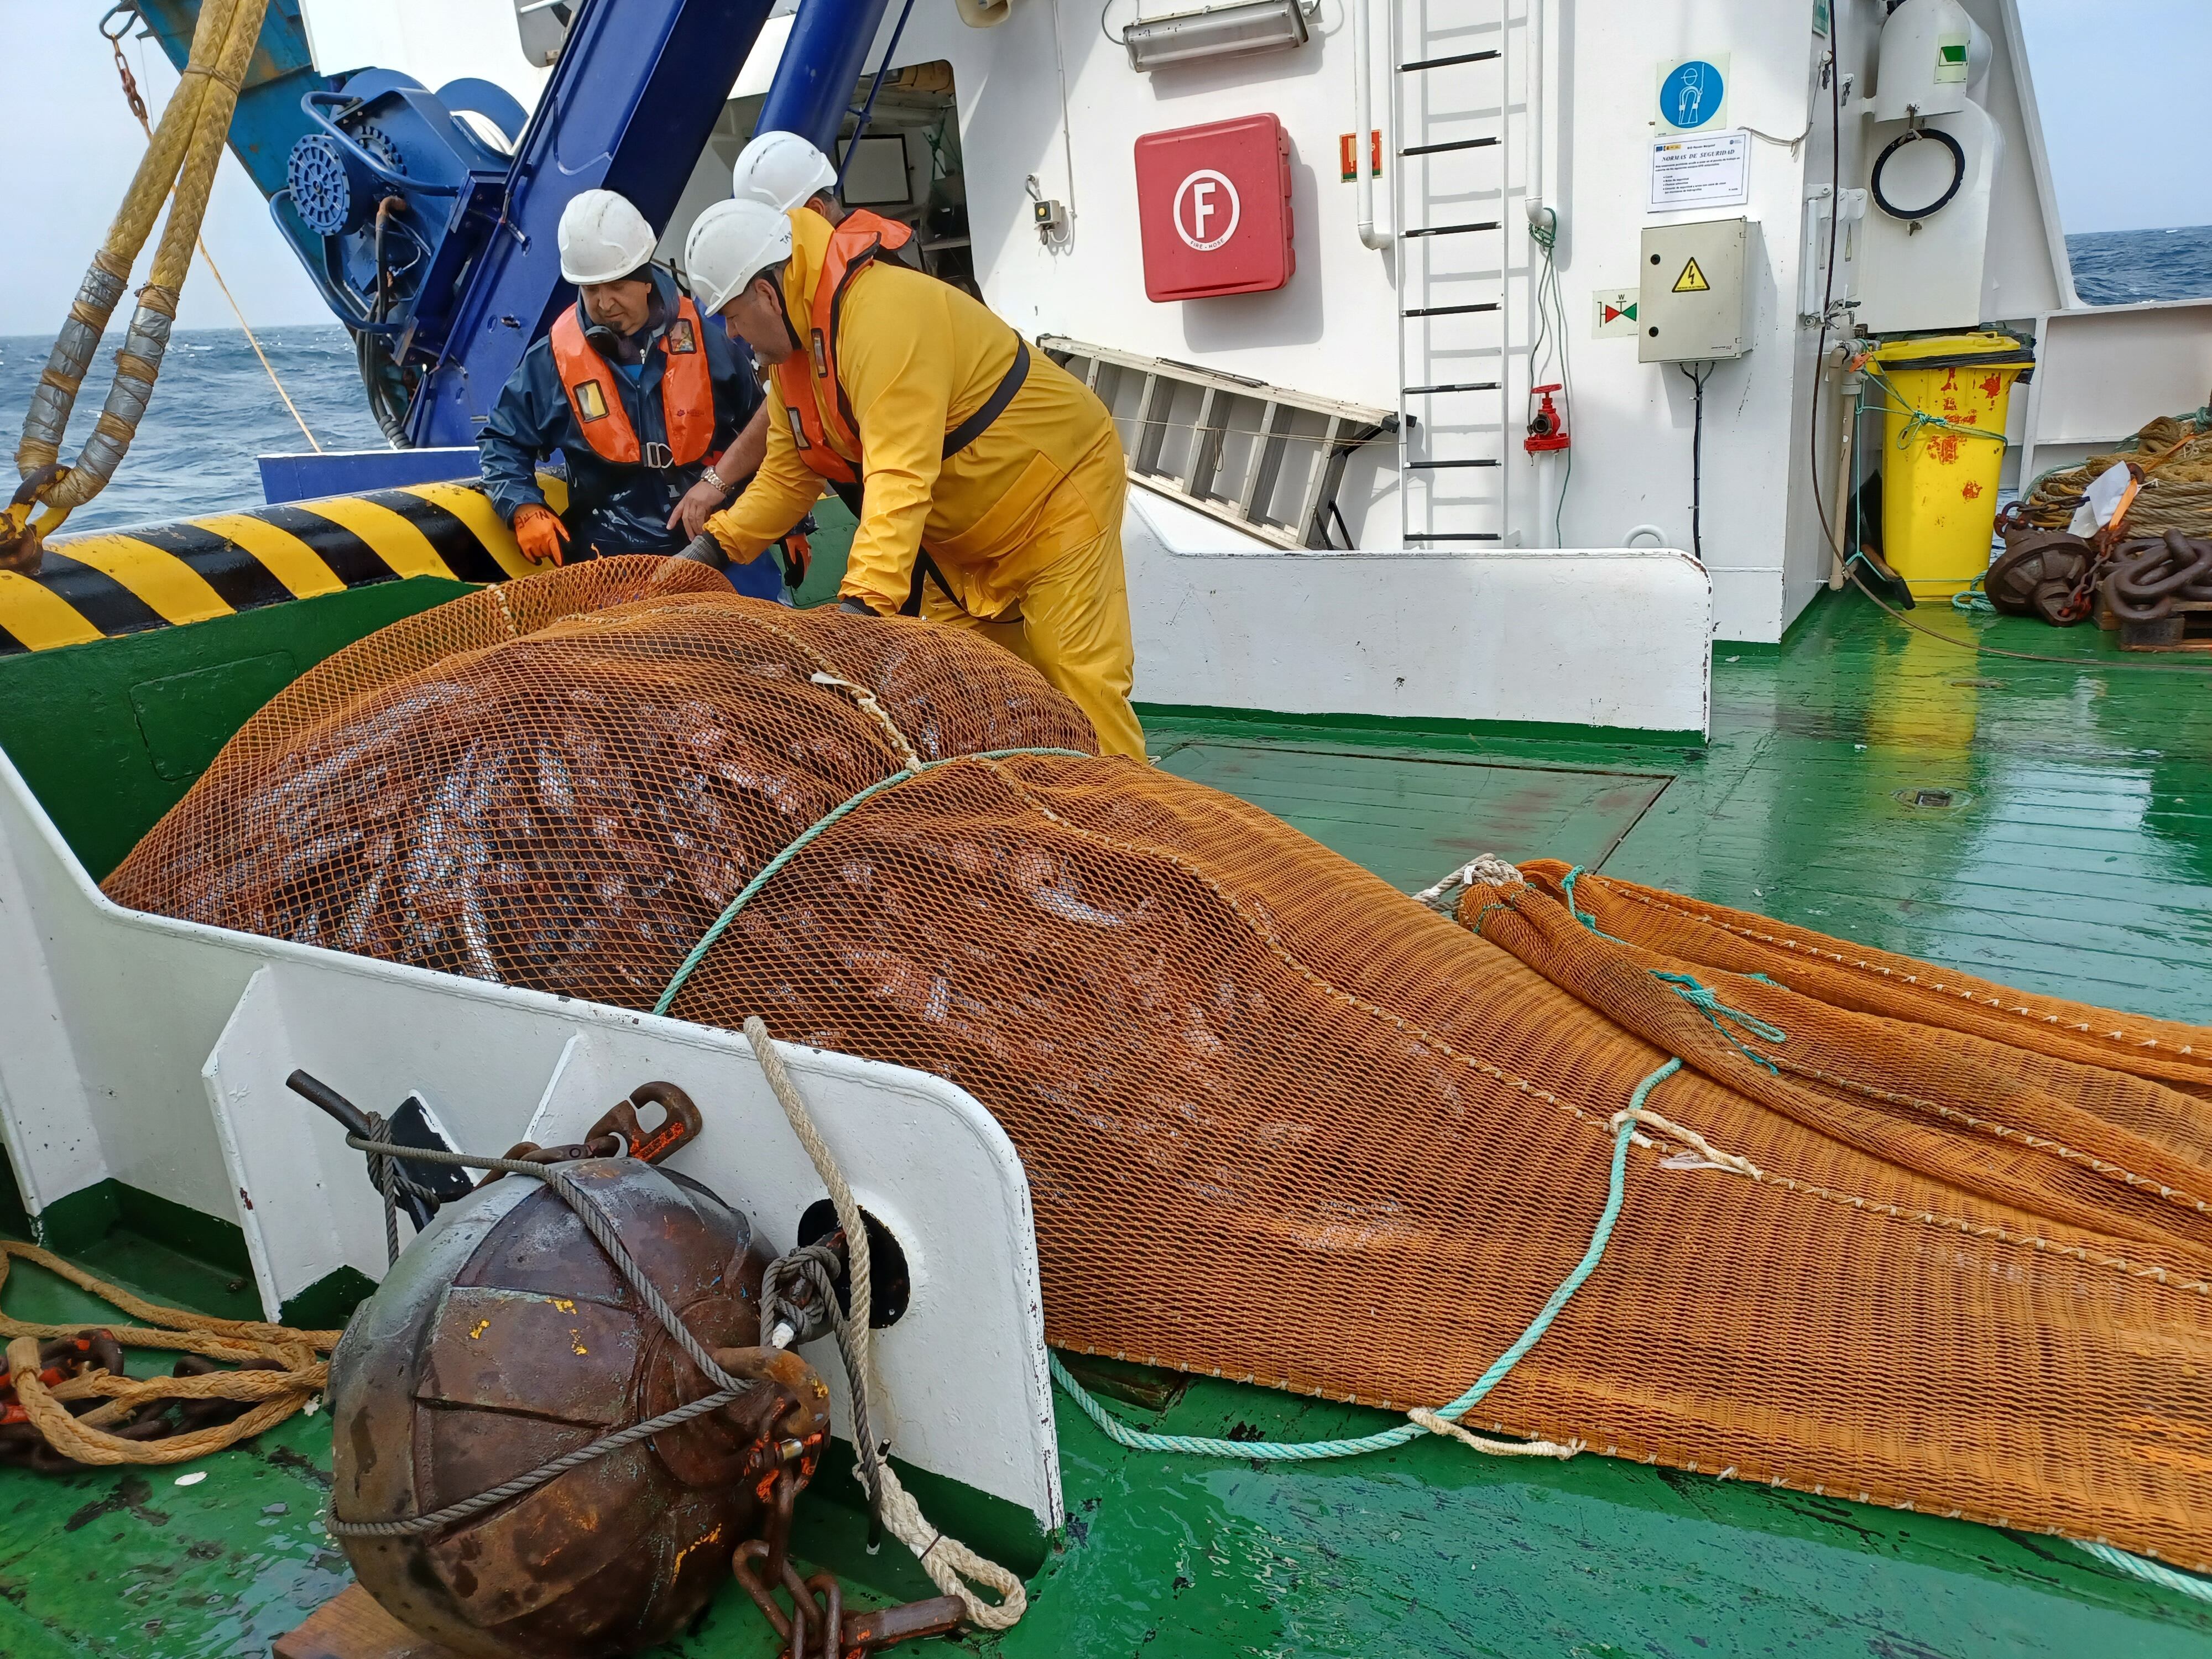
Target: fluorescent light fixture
1214 31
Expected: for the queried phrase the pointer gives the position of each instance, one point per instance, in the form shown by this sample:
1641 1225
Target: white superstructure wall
1049 108
1046 96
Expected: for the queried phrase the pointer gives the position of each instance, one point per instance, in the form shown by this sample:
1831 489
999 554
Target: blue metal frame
304 477
821 63
882 68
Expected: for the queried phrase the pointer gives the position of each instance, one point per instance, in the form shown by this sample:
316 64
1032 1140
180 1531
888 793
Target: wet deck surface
2072 856
2049 824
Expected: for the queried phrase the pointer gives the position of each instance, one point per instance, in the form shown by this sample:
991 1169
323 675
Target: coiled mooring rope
272 1395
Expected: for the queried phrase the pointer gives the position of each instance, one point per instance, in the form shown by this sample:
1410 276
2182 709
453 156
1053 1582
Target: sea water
215 412
2124 267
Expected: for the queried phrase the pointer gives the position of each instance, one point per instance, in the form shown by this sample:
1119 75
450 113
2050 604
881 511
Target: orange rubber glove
540 534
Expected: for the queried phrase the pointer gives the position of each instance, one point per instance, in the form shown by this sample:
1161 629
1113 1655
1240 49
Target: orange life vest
854 246
687 393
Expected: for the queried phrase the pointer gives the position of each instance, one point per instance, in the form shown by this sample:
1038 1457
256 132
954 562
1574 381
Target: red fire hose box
1214 209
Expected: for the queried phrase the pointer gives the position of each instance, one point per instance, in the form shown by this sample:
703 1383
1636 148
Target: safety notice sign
1700 170
1615 314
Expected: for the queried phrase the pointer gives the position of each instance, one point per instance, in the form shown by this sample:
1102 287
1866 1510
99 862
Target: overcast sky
2119 81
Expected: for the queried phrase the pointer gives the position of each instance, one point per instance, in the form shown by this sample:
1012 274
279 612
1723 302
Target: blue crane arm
632 99
459 271
822 62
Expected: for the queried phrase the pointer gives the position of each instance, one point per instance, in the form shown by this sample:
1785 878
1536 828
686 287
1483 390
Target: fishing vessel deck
2040 822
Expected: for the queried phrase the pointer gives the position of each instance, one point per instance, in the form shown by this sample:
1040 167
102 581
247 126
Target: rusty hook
21 548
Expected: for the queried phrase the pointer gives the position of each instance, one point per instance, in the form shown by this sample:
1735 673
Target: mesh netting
1281 1123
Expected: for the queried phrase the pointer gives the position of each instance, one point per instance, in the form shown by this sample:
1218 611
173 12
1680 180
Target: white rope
950 1563
1487 868
1713 1157
866 699
1437 1424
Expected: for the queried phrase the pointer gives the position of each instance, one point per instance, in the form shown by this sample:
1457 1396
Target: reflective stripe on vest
687 393
815 421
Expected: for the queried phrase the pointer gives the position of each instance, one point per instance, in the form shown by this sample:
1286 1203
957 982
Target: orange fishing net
1281 1123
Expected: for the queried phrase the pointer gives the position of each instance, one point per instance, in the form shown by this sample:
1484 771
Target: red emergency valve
1547 428
1214 209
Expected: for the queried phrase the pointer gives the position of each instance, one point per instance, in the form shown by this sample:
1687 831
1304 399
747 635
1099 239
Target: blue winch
387 196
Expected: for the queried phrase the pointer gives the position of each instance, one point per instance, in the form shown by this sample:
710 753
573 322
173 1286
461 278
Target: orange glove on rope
540 534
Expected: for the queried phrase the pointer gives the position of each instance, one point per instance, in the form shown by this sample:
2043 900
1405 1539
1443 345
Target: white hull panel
154 1051
1616 637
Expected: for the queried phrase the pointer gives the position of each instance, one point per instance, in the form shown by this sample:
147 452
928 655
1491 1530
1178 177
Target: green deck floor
2074 857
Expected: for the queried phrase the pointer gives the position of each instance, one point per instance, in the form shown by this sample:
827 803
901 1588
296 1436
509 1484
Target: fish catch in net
1890 1233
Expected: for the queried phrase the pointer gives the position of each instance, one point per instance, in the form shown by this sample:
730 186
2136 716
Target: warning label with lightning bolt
1691 281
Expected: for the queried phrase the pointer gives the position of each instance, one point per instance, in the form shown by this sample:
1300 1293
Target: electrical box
1693 300
1214 209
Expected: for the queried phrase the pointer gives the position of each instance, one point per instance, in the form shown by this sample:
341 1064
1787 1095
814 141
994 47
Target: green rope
1475 926
1299 1451
1973 600
1585 917
1686 988
1918 419
721 922
1708 1003
2151 1572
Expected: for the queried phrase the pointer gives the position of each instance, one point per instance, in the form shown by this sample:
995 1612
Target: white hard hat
732 243
783 170
602 238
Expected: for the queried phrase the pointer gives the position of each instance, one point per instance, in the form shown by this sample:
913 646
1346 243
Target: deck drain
1933 800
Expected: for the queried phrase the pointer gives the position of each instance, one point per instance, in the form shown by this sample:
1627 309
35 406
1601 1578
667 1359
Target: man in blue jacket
649 405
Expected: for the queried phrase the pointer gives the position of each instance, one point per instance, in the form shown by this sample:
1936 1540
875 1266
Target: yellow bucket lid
1935 349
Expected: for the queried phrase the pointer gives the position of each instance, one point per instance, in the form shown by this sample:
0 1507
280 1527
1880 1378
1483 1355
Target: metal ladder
1458 201
1266 458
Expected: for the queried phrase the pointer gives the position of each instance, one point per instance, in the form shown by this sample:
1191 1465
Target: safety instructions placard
1700 170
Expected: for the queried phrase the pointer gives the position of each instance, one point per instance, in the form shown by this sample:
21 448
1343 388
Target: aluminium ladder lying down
1263 458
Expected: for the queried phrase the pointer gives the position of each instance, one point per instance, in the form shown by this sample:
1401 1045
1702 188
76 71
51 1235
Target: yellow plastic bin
1943 425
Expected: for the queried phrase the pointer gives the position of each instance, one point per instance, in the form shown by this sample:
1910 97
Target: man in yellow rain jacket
990 481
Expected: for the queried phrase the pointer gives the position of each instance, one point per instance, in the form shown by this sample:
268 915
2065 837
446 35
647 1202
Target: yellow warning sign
1691 281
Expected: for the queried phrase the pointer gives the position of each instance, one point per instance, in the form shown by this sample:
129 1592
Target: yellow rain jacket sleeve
916 357
782 493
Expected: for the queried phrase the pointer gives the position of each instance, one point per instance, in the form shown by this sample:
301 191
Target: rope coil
296 1375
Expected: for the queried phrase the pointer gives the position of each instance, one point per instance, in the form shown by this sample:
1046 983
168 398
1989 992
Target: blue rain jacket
612 508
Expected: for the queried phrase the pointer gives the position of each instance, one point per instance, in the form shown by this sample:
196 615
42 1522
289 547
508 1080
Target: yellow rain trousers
1025 523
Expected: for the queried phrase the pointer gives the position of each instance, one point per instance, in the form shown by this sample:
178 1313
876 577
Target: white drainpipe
1363 108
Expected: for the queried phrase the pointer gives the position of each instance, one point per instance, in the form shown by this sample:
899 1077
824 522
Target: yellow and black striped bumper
93 587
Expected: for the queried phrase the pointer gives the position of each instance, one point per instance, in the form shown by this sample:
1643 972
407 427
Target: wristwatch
708 475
